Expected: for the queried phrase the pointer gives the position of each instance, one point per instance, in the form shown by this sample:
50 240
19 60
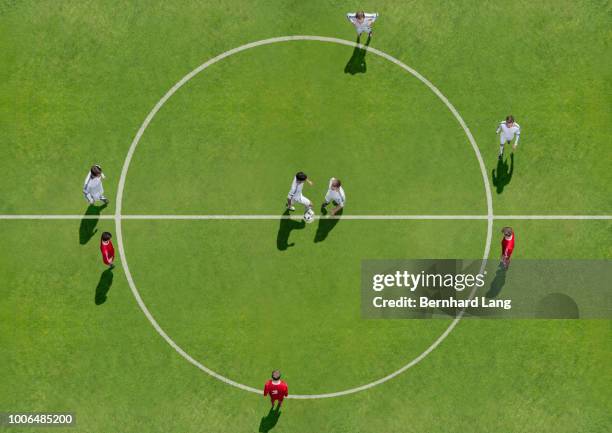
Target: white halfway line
299 216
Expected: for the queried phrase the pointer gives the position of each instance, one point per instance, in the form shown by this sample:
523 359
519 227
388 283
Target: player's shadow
269 421
326 225
498 283
557 306
104 285
357 62
285 228
89 222
502 174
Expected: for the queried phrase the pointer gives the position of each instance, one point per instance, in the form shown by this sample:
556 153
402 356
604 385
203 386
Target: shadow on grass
269 421
557 306
357 62
285 228
502 175
326 225
104 285
88 224
498 283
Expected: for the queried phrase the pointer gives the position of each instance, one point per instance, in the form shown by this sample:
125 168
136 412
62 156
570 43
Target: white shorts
503 140
301 200
93 197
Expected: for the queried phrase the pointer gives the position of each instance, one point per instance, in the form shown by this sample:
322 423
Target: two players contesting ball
335 194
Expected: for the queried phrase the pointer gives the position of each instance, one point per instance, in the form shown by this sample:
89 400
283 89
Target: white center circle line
189 76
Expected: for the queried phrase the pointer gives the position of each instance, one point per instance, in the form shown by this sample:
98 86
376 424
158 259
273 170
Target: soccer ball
309 216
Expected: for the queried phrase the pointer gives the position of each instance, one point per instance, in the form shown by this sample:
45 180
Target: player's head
301 176
96 170
106 236
510 120
360 15
276 375
336 183
507 231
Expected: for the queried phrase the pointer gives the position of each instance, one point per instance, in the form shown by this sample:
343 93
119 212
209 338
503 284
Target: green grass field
77 80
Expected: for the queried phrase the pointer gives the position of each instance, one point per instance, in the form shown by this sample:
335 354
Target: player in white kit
92 189
335 193
507 131
362 21
295 193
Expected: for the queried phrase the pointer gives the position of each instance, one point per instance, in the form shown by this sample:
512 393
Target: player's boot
291 208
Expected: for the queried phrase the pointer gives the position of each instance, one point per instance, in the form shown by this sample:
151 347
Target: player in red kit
507 244
276 388
107 249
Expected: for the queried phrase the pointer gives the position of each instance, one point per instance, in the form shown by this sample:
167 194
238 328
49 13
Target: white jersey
92 188
335 195
507 134
296 189
364 26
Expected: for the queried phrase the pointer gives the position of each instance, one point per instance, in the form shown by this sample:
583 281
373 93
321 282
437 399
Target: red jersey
108 252
507 246
277 391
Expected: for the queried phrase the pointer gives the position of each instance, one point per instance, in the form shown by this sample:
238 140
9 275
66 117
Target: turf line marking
299 217
367 217
56 217
553 217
